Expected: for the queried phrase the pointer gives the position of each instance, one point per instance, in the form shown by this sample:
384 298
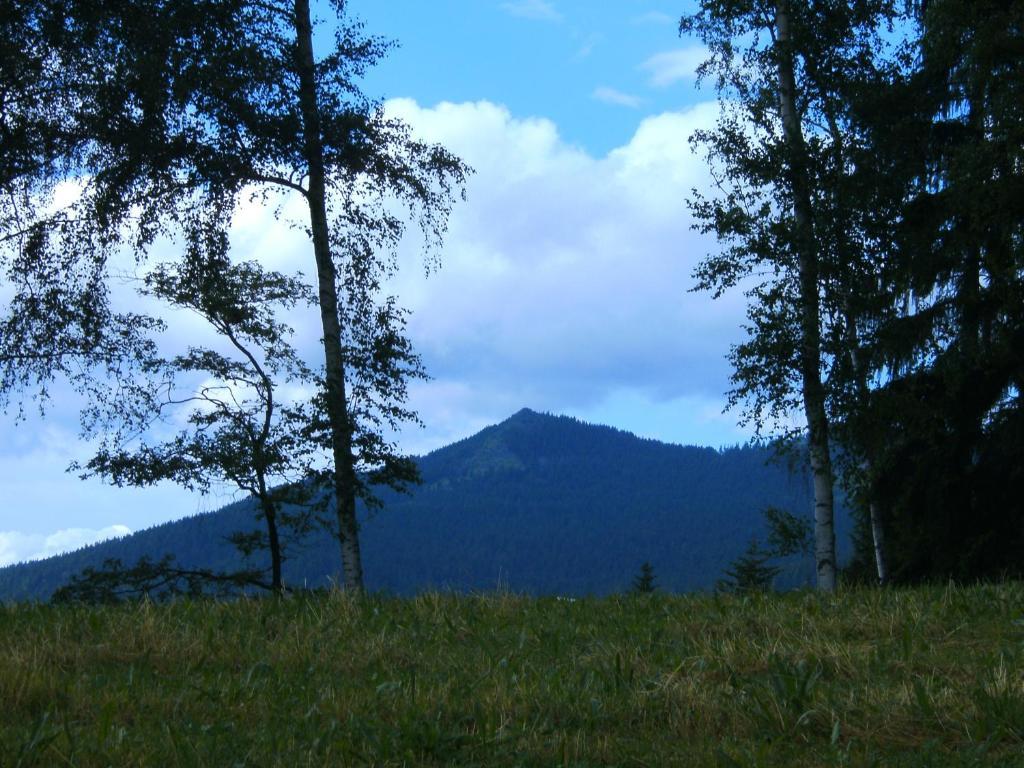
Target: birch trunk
810 348
866 469
878 537
327 286
874 513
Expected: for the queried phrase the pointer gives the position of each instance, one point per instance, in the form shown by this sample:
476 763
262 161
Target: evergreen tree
644 584
949 360
750 572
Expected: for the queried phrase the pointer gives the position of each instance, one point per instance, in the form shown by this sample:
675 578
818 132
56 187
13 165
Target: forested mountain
537 503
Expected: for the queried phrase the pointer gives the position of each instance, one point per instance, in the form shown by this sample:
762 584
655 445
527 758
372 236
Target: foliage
239 432
911 166
158 580
750 572
837 52
915 678
72 194
785 210
226 102
948 363
788 534
269 113
643 583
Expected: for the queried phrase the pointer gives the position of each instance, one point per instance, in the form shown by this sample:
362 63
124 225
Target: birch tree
230 100
240 431
779 68
57 323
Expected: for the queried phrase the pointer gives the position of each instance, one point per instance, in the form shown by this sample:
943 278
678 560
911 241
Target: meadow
932 676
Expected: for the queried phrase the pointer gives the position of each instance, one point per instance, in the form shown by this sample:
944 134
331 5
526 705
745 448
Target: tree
948 362
239 431
59 322
913 159
156 580
227 100
749 572
783 70
644 584
788 534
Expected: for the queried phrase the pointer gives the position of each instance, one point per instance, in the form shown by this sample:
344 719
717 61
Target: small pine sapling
644 583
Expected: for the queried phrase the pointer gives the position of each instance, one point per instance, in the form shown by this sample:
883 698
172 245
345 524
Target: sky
565 277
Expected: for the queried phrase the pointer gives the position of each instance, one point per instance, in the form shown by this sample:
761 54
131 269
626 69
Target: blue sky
565 277
591 67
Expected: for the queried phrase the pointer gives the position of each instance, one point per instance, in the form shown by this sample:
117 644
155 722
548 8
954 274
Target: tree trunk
866 467
853 346
274 540
337 405
810 348
878 537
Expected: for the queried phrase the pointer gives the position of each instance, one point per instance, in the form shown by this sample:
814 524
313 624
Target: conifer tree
750 572
644 584
948 361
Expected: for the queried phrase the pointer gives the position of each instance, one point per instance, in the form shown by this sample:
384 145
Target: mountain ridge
537 502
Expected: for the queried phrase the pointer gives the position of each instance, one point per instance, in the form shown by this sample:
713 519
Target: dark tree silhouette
750 572
226 100
644 582
240 431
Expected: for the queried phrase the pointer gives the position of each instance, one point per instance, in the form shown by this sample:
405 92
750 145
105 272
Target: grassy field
925 677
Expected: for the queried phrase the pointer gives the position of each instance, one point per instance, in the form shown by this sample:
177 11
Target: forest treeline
870 204
537 505
868 201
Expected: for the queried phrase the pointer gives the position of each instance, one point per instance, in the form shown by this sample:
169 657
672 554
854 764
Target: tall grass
924 677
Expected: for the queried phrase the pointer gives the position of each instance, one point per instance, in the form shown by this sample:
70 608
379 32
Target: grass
923 677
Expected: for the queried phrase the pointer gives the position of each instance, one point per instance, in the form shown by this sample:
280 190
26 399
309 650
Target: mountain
538 503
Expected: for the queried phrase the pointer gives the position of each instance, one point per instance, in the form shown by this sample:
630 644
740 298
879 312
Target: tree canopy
226 101
908 164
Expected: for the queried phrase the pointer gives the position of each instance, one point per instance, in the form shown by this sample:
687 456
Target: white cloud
565 277
540 10
564 287
16 547
670 67
618 98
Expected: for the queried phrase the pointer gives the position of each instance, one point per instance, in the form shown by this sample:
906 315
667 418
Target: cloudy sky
565 277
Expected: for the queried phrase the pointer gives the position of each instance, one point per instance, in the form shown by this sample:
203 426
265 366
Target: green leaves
787 533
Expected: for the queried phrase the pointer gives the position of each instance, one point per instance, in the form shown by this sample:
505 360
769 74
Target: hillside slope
537 503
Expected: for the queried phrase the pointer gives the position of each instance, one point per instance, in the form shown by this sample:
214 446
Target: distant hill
538 503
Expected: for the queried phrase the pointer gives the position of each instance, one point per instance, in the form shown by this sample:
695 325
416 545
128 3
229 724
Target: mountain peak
523 413
527 439
558 505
